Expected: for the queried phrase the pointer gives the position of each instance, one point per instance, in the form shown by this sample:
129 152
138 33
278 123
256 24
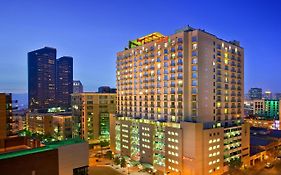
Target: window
194 68
81 171
194 82
194 53
194 39
194 75
194 91
194 61
179 40
194 46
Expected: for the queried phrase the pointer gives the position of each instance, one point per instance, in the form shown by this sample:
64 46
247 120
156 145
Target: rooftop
47 147
260 141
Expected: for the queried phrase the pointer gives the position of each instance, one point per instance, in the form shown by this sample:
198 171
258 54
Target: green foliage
41 137
109 154
117 160
123 162
104 143
235 163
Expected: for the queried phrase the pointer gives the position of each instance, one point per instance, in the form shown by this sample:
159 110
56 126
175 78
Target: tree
234 164
103 143
123 162
117 160
109 154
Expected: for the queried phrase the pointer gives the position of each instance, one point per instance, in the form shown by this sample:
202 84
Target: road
275 170
261 170
103 170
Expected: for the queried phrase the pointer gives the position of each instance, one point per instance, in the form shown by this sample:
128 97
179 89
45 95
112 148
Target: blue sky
93 31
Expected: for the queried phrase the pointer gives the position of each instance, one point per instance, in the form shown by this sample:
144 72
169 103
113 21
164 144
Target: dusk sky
93 31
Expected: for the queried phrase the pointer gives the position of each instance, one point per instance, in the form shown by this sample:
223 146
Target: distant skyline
92 32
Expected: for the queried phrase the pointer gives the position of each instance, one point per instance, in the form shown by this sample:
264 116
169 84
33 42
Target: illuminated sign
147 39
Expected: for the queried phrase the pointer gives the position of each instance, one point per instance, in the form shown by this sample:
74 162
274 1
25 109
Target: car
268 165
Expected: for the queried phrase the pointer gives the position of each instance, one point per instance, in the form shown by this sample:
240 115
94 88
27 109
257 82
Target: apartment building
91 112
180 102
6 116
266 109
57 125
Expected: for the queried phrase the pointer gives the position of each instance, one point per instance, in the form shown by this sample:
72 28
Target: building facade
64 81
42 78
50 80
255 94
77 86
6 116
266 109
268 95
69 157
91 113
180 102
56 125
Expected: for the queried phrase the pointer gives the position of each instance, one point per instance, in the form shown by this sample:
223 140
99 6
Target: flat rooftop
47 147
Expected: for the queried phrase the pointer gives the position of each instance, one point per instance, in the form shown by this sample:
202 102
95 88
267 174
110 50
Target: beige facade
40 123
190 84
58 126
91 112
62 125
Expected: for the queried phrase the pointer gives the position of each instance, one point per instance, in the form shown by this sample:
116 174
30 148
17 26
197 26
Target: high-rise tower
50 80
180 102
42 78
64 81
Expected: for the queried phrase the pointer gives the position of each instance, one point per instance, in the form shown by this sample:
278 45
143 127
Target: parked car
268 165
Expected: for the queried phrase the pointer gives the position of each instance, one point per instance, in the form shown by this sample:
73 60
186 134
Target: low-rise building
57 125
91 113
6 116
264 144
69 157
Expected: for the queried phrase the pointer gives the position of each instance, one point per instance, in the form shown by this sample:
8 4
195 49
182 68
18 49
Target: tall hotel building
180 103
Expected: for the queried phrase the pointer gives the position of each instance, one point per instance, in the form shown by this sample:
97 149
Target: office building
255 94
180 103
267 109
49 80
6 115
42 78
55 125
278 96
106 89
268 95
64 86
22 155
77 86
91 113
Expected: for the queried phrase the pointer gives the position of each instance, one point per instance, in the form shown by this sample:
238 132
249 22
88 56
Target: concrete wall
71 157
43 163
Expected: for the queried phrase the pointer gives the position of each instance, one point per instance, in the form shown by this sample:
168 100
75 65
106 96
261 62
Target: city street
103 170
104 166
260 170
